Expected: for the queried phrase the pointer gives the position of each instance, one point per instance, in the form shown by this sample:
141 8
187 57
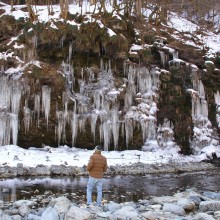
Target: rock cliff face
125 85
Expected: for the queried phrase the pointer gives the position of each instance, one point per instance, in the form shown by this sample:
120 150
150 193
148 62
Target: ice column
128 130
94 117
175 54
217 102
46 96
10 96
69 75
74 124
143 115
163 58
14 127
165 137
106 128
27 117
37 107
115 126
203 132
60 127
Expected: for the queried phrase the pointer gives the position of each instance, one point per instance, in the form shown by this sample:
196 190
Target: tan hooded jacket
97 165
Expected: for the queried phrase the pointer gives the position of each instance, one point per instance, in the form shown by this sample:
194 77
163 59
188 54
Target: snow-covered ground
11 155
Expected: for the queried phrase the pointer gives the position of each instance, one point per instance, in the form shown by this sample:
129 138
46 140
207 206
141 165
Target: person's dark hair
98 148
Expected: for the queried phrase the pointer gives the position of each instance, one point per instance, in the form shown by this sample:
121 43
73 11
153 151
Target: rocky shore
185 205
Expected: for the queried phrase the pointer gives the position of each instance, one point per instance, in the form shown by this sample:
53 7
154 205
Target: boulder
126 212
205 206
75 213
173 208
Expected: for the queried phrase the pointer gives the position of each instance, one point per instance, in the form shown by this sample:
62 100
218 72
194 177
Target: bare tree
32 15
64 8
49 6
138 7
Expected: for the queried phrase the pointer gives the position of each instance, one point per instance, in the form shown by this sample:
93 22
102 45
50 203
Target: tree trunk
32 16
138 6
64 8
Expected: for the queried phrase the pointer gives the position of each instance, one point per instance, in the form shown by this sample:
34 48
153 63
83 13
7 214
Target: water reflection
117 188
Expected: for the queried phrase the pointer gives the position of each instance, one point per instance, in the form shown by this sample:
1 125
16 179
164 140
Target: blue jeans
90 185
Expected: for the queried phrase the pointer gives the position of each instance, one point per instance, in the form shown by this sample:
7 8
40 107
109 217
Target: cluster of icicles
204 134
97 103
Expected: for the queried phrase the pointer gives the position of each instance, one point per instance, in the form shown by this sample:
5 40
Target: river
115 188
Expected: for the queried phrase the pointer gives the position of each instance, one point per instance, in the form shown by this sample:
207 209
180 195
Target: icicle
69 75
217 102
37 107
74 124
94 117
61 41
175 54
128 130
14 128
70 51
204 108
15 98
60 119
217 98
82 124
106 134
115 126
144 80
163 58
101 65
34 41
2 69
5 93
132 73
46 96
130 92
27 117
4 133
152 129
201 89
98 99
144 128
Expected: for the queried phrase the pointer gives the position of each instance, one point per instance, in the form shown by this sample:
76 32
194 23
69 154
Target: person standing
96 167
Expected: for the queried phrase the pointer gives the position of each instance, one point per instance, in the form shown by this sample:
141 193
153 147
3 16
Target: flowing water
116 188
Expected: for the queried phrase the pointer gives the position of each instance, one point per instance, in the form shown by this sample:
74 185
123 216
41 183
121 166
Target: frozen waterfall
97 103
203 132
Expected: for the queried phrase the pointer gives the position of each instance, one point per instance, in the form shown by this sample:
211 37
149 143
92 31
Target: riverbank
133 169
69 161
